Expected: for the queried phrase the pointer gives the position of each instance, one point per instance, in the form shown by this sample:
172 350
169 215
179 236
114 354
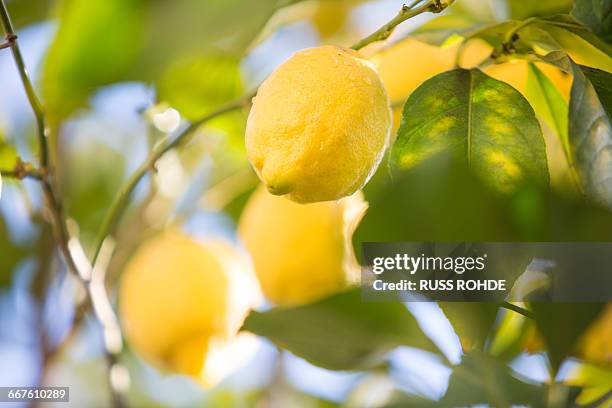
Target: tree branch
120 201
406 12
53 204
22 170
517 309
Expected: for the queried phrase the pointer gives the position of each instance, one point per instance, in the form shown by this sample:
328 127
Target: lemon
181 303
301 252
319 125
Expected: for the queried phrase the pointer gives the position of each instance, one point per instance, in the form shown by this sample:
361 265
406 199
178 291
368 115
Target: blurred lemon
301 252
515 74
406 65
319 125
330 16
182 303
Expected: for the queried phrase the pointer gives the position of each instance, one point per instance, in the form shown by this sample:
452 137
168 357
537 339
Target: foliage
471 160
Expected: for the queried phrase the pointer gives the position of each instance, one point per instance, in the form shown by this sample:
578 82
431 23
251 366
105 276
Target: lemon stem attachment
405 13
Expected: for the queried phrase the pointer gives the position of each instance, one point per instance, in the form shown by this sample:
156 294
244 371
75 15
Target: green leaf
25 12
201 27
562 324
472 321
557 33
87 198
521 9
590 132
595 14
96 44
475 9
602 84
481 379
548 103
104 42
198 84
438 201
340 332
564 22
443 29
530 36
484 123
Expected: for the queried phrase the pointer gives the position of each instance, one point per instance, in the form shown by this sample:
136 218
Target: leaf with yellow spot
482 122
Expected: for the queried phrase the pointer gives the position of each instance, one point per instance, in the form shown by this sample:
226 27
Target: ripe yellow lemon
301 252
319 125
181 303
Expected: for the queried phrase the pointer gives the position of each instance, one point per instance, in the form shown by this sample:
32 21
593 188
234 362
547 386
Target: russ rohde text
441 285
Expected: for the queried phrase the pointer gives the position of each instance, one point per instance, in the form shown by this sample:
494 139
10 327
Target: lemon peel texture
319 125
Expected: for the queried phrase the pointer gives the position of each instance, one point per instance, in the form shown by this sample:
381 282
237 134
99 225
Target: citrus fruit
319 125
301 252
181 303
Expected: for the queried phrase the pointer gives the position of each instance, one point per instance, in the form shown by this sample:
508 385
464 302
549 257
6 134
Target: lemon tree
478 121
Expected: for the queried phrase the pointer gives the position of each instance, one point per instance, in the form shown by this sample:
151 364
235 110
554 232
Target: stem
11 41
510 34
19 173
510 306
53 204
120 201
507 46
405 13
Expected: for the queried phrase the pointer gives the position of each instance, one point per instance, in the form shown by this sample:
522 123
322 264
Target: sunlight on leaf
548 102
485 123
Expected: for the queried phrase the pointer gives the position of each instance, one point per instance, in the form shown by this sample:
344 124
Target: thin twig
120 201
510 306
10 41
22 170
53 204
11 37
405 13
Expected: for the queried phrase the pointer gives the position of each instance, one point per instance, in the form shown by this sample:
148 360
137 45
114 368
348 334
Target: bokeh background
114 80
